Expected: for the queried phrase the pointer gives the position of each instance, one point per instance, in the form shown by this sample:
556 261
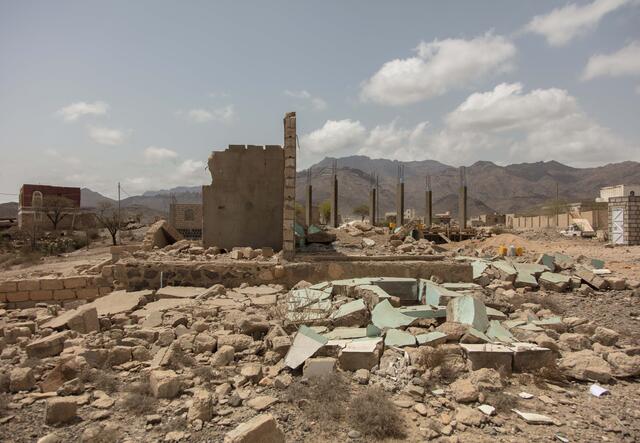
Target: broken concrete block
179 292
161 234
474 336
535 419
489 355
48 346
252 371
82 320
21 379
497 332
164 384
223 356
616 283
469 311
529 357
385 316
396 337
464 391
119 301
590 278
605 336
506 270
424 311
305 344
319 367
525 280
354 313
549 261
431 338
262 428
554 282
60 410
262 402
624 365
346 333
435 295
361 354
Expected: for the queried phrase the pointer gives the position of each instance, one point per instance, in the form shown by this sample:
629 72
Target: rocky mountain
505 189
491 188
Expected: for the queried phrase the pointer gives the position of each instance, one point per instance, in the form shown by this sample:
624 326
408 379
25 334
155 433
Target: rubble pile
190 363
554 272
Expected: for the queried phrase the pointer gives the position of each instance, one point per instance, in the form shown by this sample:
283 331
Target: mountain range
491 188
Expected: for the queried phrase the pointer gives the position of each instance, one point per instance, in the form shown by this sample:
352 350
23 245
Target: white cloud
336 136
106 136
540 124
155 154
317 103
506 124
224 115
189 168
623 62
563 24
76 110
506 108
438 67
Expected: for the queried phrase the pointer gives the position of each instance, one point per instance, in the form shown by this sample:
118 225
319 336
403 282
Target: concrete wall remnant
624 220
187 219
244 204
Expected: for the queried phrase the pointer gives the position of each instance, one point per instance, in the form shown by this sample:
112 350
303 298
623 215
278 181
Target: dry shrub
374 415
502 401
138 398
106 381
321 398
431 358
552 374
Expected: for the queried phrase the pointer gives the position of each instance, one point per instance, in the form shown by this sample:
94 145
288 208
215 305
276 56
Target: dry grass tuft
322 399
374 415
138 398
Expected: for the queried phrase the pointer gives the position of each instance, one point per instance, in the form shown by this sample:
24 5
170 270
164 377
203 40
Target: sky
95 93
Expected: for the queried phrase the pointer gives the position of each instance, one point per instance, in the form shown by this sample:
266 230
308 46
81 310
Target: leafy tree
362 211
56 208
325 210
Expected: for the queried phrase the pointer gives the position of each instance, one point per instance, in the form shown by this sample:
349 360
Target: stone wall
631 209
28 292
137 275
243 206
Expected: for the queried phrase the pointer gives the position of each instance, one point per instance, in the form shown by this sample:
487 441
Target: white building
617 191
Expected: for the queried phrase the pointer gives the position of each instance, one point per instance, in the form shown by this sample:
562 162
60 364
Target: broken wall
244 206
187 219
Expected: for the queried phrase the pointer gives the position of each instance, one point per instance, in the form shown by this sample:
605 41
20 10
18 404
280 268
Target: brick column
400 204
373 206
289 216
428 213
308 210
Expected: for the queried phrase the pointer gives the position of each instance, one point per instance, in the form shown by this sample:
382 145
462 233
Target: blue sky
92 93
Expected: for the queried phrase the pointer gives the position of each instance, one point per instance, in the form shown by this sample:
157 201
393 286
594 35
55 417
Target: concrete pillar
289 215
334 201
400 205
372 206
462 207
308 211
428 214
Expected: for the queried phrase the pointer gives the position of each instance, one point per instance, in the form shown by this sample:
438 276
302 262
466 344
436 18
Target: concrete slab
164 304
497 332
554 281
385 316
505 269
354 313
305 344
424 311
479 267
119 301
469 311
489 355
431 338
396 337
461 286
529 357
256 291
346 333
179 292
319 367
547 260
361 354
436 295
494 314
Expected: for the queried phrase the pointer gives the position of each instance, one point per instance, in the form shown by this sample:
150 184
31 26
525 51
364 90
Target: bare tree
108 217
56 208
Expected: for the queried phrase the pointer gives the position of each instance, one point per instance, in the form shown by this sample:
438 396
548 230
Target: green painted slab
424 311
385 316
345 333
396 337
469 311
499 333
431 338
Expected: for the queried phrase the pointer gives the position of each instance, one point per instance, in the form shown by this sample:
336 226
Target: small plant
321 399
138 398
374 415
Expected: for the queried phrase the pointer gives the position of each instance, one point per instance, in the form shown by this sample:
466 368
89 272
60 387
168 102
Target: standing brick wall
631 221
187 219
27 292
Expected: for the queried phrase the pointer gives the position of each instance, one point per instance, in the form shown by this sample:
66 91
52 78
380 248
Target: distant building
488 220
187 219
33 208
618 191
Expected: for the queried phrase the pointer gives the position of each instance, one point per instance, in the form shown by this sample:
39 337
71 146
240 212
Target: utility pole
557 206
118 207
428 213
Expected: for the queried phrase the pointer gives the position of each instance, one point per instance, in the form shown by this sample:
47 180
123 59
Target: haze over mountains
491 188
